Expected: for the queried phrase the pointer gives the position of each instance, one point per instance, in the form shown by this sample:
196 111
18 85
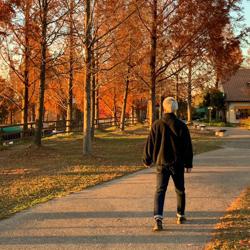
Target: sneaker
181 219
158 226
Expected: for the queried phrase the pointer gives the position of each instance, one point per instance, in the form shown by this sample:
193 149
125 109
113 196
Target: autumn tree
87 147
7 11
72 62
97 33
126 44
164 24
51 18
19 51
196 24
224 46
9 102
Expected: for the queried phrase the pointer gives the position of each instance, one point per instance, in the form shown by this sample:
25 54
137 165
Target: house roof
237 88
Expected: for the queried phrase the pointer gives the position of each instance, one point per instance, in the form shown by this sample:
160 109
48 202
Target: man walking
169 146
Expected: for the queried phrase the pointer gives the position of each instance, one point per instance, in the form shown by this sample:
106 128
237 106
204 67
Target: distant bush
219 123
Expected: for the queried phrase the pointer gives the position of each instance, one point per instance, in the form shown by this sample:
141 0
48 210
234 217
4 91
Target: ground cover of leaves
232 232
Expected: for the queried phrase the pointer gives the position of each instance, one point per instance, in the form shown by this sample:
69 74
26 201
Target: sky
246 12
246 5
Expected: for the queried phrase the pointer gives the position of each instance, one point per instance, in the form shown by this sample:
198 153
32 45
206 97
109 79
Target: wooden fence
16 131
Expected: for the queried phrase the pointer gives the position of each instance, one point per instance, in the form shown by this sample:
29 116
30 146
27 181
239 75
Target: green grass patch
232 232
30 175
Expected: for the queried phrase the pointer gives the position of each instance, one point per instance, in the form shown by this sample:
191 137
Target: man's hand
188 170
146 166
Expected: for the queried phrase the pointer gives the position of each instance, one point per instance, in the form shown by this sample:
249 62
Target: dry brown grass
31 175
233 230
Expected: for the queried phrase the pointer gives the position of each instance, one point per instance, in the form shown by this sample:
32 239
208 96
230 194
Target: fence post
22 133
113 121
1 133
31 129
96 123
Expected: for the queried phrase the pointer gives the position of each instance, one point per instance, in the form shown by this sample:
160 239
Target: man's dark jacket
169 141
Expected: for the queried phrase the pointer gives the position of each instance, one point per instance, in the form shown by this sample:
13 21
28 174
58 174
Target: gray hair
170 105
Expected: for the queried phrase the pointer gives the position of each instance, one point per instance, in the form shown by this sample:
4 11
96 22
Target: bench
200 126
220 132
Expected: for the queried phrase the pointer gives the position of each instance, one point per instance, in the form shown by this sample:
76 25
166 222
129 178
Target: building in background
237 93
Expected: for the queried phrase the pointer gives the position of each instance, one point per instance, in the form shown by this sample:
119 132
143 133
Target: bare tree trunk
93 97
133 114
33 113
71 71
87 141
25 104
177 90
97 90
152 92
124 104
160 102
69 104
217 81
39 127
177 87
189 95
97 106
11 117
114 108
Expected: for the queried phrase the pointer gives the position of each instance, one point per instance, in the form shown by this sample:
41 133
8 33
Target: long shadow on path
194 231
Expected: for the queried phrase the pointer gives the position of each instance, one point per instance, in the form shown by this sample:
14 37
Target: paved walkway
118 214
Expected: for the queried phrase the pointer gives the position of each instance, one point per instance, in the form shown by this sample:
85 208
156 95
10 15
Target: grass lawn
29 175
233 230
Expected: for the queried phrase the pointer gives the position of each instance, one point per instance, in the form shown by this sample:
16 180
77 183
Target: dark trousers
162 179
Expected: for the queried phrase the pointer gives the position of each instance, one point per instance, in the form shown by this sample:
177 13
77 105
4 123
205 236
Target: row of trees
104 56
